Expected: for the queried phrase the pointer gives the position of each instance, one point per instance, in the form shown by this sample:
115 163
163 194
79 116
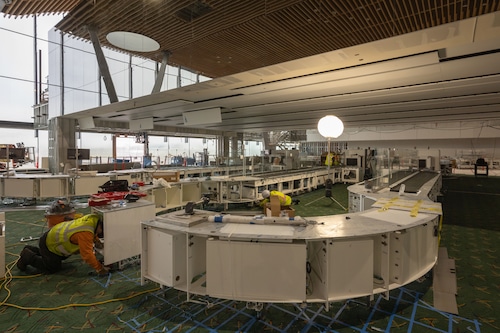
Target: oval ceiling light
131 41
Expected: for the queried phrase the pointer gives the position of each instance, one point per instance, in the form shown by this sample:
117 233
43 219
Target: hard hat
266 194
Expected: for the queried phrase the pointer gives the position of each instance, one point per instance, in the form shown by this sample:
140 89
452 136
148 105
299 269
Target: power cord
9 277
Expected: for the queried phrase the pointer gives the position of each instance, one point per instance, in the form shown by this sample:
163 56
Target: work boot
295 201
25 258
21 262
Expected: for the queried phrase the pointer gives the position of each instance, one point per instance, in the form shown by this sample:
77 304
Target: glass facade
75 84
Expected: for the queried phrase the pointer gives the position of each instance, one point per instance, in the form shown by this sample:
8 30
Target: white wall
453 140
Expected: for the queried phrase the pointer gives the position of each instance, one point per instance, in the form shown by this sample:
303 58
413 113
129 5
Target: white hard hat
266 194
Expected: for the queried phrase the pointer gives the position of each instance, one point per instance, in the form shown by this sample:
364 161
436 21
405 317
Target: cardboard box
169 176
274 208
283 212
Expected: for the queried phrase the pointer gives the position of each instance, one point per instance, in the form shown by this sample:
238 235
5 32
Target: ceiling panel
220 37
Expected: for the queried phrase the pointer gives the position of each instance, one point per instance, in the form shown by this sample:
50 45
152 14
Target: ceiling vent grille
193 11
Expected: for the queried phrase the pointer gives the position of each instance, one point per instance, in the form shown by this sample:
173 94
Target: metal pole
329 158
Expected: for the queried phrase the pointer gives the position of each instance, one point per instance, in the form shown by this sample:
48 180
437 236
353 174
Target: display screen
349 161
14 153
83 154
422 163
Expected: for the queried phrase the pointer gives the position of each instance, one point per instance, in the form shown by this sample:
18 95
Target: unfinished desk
318 259
122 228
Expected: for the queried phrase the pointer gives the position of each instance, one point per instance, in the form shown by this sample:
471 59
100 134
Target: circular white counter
316 259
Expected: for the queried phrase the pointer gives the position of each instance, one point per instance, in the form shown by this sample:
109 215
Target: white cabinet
412 249
122 229
256 270
173 259
165 259
350 268
351 175
41 186
339 269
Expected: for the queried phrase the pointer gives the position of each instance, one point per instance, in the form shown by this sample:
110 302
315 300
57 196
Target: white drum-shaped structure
316 259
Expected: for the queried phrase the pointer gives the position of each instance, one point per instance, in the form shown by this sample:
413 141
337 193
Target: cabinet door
164 257
122 232
350 269
260 271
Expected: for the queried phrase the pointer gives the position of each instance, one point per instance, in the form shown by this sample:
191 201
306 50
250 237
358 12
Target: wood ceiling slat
412 13
255 33
387 19
360 19
401 15
337 27
32 7
318 29
475 7
370 19
378 20
418 17
345 23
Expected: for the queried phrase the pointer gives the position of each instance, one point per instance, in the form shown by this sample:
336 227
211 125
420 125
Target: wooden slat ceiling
220 37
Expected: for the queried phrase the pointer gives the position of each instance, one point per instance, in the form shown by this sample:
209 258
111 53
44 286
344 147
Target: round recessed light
131 41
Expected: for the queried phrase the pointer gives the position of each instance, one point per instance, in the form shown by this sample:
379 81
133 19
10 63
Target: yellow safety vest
285 200
58 238
329 158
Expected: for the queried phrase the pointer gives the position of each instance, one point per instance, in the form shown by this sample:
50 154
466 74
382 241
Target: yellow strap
388 204
414 210
440 227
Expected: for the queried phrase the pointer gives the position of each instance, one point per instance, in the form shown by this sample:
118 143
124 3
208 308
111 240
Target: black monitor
351 161
83 154
422 163
14 153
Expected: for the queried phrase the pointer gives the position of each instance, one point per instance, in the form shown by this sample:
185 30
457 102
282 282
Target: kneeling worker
63 240
285 200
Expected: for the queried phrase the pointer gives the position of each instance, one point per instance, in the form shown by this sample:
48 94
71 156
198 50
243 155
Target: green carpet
74 301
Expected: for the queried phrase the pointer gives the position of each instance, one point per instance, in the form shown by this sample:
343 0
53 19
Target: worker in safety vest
63 240
332 159
285 200
329 159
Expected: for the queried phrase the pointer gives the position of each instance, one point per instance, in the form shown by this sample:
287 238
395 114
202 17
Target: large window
73 65
70 80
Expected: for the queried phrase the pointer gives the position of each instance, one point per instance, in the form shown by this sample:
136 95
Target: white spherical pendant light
330 127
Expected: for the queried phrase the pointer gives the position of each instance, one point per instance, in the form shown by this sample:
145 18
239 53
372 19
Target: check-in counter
316 259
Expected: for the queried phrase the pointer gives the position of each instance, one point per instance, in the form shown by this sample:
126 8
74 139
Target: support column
147 158
103 65
222 149
161 73
61 137
113 139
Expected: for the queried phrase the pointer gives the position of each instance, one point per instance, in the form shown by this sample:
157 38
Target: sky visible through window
17 76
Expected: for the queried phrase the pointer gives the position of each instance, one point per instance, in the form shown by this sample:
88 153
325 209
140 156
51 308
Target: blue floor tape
311 319
194 316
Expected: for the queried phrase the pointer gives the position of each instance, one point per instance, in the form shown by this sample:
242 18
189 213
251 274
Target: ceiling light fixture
131 41
330 127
